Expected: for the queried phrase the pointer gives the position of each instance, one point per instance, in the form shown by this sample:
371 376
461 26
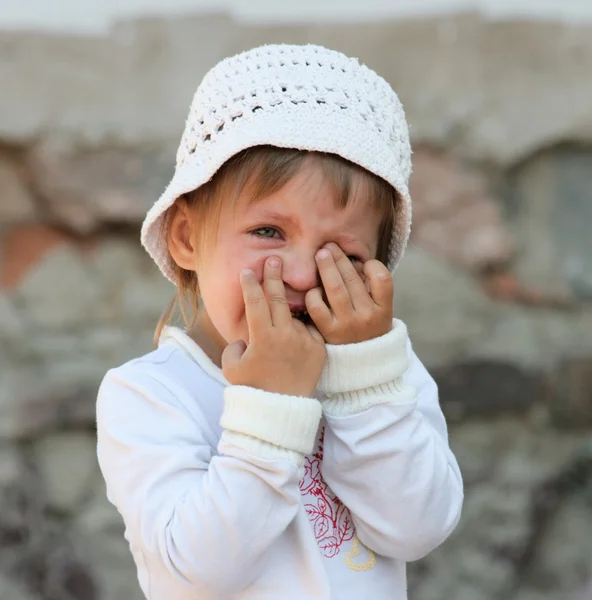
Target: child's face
292 223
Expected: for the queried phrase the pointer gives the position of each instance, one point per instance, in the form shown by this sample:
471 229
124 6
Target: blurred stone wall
496 286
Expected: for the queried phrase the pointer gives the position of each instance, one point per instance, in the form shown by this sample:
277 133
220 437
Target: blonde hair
267 169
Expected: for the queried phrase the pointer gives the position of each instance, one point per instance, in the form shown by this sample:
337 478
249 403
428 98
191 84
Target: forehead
313 195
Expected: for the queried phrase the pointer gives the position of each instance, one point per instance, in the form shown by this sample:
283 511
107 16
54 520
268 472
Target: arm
189 509
386 452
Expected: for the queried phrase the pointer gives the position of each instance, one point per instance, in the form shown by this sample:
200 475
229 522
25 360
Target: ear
180 237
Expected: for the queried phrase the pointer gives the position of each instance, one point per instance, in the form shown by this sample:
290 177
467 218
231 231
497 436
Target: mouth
301 315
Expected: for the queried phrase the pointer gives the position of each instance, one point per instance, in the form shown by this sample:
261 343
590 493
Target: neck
207 337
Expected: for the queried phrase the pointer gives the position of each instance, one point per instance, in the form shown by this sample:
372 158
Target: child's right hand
284 356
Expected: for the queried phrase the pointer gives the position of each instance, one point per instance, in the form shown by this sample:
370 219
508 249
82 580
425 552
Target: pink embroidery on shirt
331 520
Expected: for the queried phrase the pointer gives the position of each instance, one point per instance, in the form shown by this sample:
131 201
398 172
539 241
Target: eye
265 232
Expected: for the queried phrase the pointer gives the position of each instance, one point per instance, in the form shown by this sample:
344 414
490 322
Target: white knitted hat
303 97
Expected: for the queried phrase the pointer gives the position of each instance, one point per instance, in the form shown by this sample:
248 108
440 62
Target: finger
380 282
335 288
276 292
318 311
364 278
358 293
256 308
359 266
231 356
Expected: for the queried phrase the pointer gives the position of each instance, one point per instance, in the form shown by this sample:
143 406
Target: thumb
232 355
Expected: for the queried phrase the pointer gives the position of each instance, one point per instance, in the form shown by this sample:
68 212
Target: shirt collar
179 338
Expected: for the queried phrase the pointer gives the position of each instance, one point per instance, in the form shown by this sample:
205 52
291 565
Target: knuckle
277 298
283 336
255 298
336 287
350 276
329 328
314 306
366 317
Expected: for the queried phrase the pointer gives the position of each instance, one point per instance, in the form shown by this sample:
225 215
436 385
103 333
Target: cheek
221 293
221 290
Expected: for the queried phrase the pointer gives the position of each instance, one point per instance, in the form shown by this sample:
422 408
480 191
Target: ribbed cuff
270 425
358 376
351 403
352 367
261 449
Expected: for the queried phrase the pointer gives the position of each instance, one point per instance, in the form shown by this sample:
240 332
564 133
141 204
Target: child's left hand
356 312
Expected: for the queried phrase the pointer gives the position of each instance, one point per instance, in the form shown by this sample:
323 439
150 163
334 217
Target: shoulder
163 381
157 369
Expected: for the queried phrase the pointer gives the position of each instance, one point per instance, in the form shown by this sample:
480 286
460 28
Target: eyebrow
341 238
266 213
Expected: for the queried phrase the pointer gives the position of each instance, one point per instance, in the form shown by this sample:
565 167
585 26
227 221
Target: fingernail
274 262
323 253
247 272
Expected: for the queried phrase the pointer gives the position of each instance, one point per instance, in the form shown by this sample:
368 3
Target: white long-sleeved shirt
229 492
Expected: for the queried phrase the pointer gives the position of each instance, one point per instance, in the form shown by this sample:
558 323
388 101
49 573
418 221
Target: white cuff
270 425
352 367
261 449
351 403
358 376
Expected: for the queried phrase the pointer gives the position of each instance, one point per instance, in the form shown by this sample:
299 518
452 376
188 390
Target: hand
284 355
357 310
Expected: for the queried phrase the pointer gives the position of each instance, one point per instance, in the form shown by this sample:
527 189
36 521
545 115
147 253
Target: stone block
11 465
16 202
129 274
21 248
99 516
112 566
573 194
31 403
85 189
510 542
61 291
572 400
444 308
13 590
553 206
454 215
488 389
99 529
68 467
12 325
133 85
466 81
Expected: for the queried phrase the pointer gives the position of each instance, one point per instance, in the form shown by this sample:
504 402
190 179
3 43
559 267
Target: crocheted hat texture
290 96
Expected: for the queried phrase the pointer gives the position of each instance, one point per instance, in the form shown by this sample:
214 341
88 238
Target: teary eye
265 232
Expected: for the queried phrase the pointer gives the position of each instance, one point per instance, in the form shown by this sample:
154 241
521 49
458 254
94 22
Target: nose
300 270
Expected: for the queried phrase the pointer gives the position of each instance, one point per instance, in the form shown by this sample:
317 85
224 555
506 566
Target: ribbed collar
179 338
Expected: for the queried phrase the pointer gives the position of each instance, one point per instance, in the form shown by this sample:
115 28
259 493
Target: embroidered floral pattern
331 520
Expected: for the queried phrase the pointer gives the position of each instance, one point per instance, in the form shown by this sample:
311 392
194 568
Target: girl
288 443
